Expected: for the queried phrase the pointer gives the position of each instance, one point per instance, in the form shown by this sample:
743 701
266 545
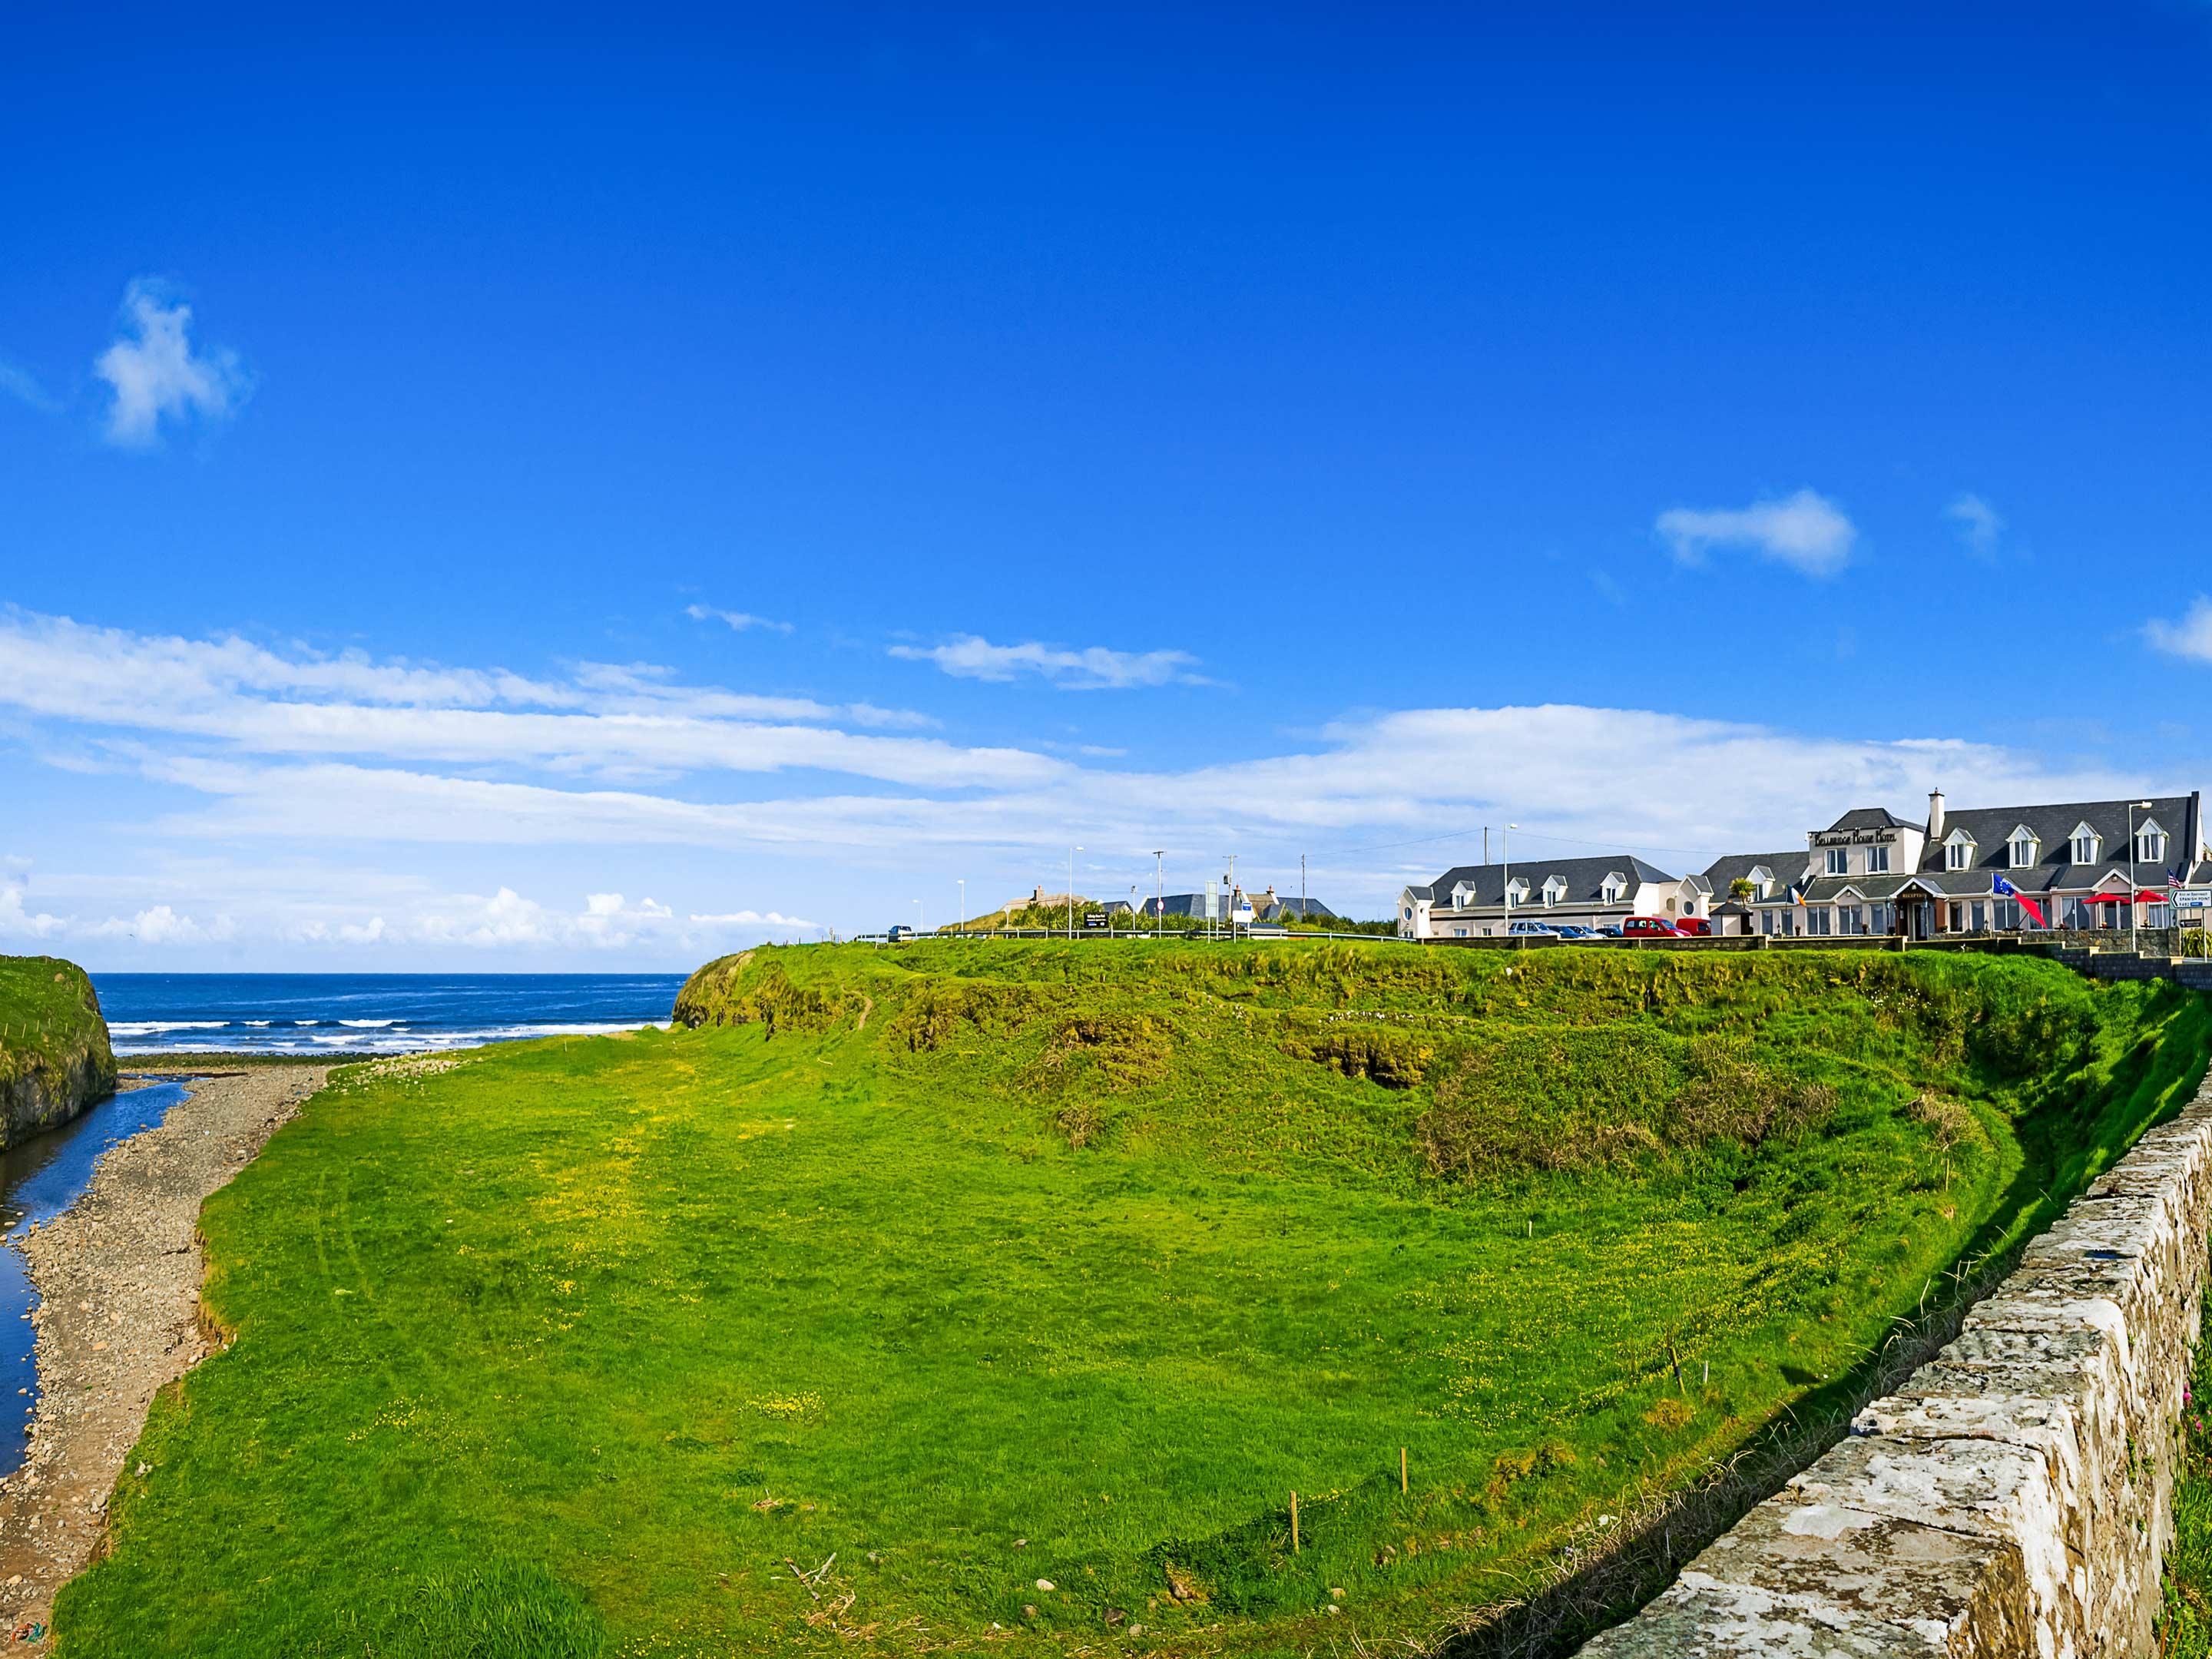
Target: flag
1797 896
2005 889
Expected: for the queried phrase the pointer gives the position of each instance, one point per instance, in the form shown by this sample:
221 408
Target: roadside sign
1214 901
2192 898
1094 919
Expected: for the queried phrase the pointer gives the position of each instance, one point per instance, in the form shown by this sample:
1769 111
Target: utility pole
1506 846
2135 942
1159 893
1072 852
1485 844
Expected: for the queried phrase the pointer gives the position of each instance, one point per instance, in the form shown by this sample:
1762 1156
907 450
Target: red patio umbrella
2142 896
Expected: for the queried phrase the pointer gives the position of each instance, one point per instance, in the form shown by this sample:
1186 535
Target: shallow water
39 1180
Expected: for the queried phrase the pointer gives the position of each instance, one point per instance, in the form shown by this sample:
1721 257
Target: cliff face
55 1060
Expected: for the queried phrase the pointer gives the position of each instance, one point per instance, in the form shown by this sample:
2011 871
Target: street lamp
1505 851
1159 893
962 922
1072 852
2134 941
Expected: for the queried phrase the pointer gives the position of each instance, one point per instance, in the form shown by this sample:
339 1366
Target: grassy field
918 1281
49 1026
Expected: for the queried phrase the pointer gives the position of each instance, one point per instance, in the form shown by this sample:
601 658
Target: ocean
381 1013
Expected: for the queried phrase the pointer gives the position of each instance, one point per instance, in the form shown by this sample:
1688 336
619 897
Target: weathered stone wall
2015 1497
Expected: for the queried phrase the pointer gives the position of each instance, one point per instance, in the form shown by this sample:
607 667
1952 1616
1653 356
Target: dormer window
1517 891
1877 860
1839 861
1461 895
1554 890
1959 851
2085 844
2151 842
2023 848
1612 888
1761 879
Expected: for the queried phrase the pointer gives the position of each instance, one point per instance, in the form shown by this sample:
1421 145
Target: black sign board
1094 919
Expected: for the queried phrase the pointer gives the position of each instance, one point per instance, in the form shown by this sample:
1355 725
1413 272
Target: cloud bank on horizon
298 791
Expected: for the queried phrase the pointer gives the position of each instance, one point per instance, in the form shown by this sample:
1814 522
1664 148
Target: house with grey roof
1245 907
2082 864
1475 901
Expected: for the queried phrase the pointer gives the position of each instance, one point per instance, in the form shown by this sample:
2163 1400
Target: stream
39 1180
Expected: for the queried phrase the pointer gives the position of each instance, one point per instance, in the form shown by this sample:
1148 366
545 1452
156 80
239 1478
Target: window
1517 891
2086 844
1612 889
1460 894
2158 915
1459 933
1981 916
1761 879
1821 920
1959 853
2023 849
1554 890
2073 912
1877 860
2004 915
1882 919
2150 844
1839 861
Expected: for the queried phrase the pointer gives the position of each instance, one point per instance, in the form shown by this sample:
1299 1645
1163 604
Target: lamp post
2135 942
963 923
1159 893
1072 852
921 919
1505 850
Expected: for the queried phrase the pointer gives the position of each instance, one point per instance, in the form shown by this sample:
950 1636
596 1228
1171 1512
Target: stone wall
2015 1496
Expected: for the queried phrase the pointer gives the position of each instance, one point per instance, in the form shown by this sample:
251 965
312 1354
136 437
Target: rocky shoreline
118 1279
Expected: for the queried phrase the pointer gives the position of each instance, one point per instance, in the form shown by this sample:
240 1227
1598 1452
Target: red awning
2142 896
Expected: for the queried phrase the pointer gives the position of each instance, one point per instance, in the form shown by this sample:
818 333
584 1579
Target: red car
1693 926
1649 928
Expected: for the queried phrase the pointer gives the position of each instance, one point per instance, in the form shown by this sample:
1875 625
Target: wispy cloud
1093 668
618 720
738 620
20 384
2190 637
1978 524
156 375
1806 532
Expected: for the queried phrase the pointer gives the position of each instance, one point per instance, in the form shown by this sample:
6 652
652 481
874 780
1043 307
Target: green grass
969 1265
2184 1624
50 1025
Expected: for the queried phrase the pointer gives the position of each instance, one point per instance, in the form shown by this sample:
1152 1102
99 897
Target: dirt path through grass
118 1280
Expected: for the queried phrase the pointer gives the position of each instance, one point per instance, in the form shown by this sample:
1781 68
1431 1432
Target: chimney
1935 815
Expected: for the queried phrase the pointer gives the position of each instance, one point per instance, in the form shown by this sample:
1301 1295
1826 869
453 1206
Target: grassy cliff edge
55 1058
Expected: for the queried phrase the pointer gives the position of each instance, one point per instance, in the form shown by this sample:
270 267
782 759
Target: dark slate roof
1872 818
1991 828
1187 904
1584 877
1787 867
1308 908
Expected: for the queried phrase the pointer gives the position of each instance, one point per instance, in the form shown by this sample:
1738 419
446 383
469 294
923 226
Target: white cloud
2191 637
738 620
621 722
1979 526
1093 668
155 374
160 924
17 919
1806 532
20 384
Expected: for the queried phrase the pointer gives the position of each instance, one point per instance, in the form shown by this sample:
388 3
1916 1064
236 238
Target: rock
1045 1584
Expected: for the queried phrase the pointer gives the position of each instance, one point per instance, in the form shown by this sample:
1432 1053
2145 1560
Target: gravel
118 1279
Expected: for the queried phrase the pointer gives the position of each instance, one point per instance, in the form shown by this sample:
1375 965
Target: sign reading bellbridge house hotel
2080 865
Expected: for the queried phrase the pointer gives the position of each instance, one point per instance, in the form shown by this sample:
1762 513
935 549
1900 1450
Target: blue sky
1268 432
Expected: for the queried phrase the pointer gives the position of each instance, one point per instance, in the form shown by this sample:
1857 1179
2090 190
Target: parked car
1534 930
1575 935
1694 927
1649 928
1611 930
